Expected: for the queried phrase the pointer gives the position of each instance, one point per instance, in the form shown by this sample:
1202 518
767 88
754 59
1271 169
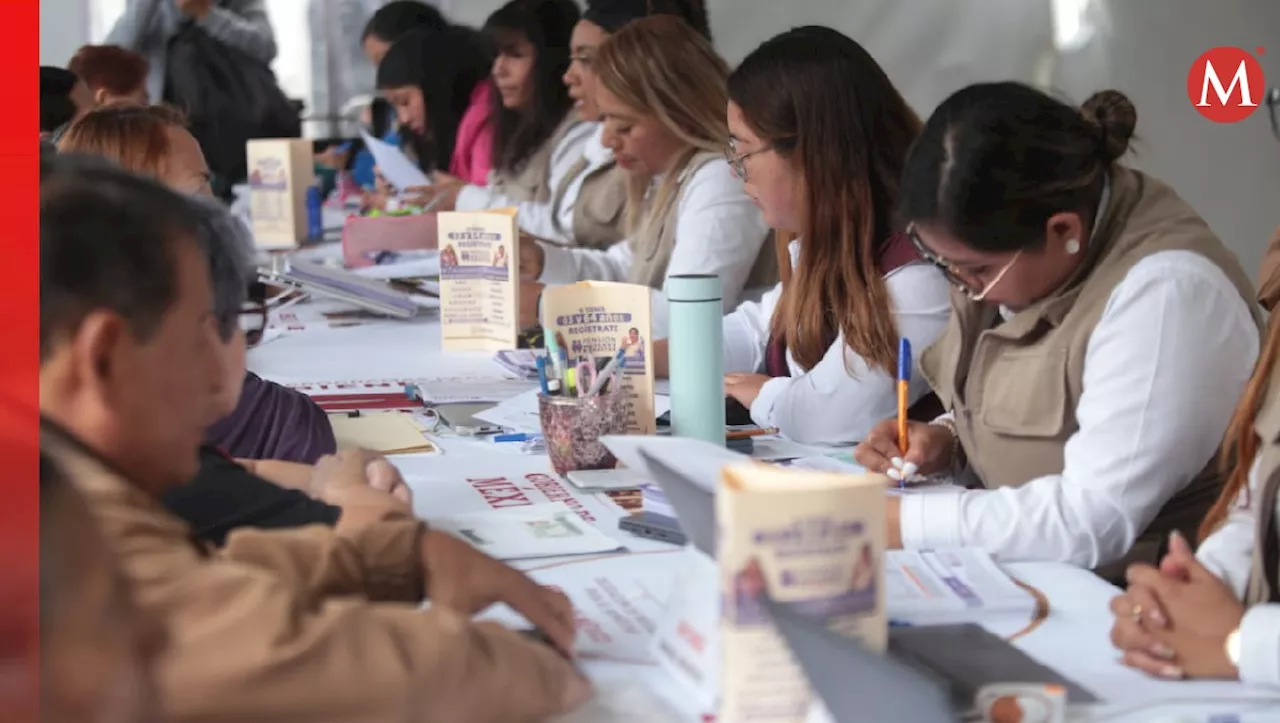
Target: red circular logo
1226 84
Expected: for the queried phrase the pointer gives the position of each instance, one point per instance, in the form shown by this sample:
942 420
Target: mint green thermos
695 355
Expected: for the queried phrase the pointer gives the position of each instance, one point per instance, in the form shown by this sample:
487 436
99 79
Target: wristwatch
1233 648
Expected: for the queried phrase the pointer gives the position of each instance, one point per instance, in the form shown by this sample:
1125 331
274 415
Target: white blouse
1228 553
1163 369
718 231
841 398
540 219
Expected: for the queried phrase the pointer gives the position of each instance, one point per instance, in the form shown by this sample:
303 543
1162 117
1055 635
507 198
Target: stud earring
1073 246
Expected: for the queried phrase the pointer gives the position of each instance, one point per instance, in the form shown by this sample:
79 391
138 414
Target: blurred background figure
112 73
63 98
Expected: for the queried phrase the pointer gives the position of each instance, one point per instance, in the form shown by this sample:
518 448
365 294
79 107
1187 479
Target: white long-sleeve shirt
840 398
718 231
548 220
1162 372
1228 553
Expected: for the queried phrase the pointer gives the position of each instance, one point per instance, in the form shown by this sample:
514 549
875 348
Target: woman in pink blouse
438 82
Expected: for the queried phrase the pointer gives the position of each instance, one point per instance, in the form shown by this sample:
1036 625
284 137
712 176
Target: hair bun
1115 115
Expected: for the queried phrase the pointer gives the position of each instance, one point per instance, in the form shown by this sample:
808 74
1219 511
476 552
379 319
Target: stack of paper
522 533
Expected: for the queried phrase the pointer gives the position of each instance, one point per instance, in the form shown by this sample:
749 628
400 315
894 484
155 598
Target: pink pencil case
364 237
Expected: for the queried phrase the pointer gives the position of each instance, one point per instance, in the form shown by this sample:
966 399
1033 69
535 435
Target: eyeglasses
1273 105
253 314
583 60
960 278
737 161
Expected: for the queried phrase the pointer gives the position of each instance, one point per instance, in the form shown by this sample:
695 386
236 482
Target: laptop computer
956 660
856 684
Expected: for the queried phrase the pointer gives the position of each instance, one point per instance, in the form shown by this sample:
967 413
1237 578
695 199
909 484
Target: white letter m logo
1241 78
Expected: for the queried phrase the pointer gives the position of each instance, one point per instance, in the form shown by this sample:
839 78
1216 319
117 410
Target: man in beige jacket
316 624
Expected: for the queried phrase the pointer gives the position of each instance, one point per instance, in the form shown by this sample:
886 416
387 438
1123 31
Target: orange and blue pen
904 383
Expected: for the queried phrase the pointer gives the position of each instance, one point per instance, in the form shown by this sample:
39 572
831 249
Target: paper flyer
479 279
280 172
522 533
815 541
498 482
594 319
619 601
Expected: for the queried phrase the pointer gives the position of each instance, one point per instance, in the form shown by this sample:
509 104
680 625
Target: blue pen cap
904 360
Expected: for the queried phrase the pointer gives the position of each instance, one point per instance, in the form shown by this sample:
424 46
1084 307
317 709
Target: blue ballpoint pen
542 375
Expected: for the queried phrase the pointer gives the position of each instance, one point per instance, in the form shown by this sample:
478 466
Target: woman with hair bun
1100 337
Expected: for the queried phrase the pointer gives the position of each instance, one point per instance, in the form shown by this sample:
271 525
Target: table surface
302 346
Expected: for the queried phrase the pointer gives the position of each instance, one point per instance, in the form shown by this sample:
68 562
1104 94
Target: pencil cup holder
572 428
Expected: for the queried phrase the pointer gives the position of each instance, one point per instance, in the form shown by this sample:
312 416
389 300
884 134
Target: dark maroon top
274 422
897 253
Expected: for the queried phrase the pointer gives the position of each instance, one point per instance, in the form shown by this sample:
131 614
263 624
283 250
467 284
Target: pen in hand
904 384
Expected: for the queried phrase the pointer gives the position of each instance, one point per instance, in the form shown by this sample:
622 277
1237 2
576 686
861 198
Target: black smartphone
654 527
735 415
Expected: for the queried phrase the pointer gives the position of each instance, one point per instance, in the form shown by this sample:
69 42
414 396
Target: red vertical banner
19 362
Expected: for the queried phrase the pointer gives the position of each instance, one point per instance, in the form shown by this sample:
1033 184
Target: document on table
394 165
405 265
501 482
936 587
522 533
473 390
618 601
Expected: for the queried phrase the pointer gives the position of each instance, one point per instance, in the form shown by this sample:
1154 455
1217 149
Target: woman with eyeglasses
819 135
262 420
662 96
1101 334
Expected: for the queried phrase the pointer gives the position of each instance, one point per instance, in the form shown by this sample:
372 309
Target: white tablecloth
307 347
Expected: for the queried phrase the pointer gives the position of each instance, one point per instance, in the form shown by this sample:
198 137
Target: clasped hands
1174 619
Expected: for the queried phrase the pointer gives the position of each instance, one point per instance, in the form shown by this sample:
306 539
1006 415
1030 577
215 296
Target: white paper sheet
618 600
523 533
407 265
472 390
935 587
394 165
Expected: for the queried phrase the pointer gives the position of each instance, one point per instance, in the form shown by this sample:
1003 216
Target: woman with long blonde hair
662 94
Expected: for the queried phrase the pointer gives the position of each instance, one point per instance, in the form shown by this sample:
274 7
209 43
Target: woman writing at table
819 135
662 94
437 82
1100 336
537 136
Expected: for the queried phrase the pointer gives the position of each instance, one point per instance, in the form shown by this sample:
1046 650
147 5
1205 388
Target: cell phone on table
654 526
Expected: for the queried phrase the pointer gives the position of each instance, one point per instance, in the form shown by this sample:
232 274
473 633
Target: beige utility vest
599 210
531 182
1014 386
1264 578
651 247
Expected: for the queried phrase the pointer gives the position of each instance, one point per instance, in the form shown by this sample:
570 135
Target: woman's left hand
1176 626
744 387
439 196
440 178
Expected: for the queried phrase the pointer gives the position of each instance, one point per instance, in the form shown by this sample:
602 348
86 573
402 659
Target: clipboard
317 279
